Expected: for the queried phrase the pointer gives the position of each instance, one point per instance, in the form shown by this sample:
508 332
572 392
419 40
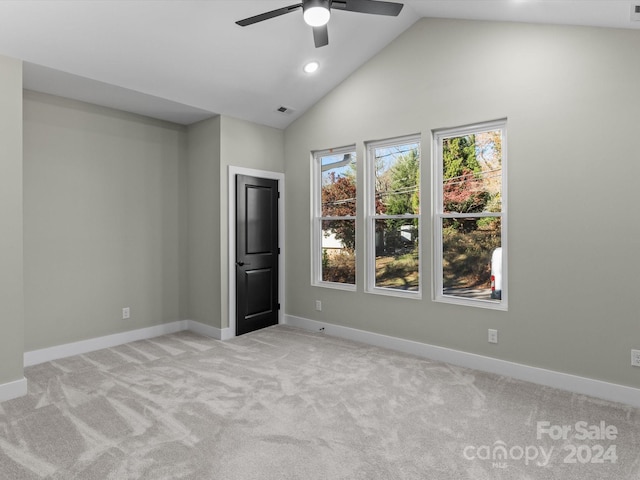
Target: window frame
317 218
371 217
439 215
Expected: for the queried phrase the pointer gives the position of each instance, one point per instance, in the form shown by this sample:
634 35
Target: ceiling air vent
285 110
635 12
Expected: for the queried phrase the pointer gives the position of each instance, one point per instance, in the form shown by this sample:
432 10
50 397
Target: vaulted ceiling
186 60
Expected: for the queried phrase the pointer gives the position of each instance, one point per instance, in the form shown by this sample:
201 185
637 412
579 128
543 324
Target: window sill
395 293
469 302
337 286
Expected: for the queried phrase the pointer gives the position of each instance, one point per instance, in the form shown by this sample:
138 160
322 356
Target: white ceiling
186 60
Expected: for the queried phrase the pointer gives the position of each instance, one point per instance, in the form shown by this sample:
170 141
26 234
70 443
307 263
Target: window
393 217
334 218
470 215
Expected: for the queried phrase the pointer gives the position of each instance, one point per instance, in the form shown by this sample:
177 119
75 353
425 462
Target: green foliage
488 223
404 185
459 154
403 198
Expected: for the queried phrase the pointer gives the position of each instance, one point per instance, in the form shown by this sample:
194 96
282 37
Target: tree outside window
335 219
394 216
469 231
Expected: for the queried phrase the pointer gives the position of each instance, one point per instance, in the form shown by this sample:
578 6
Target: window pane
338 185
397 254
338 251
472 173
397 179
468 260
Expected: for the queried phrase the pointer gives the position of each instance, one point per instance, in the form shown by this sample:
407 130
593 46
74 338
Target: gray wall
119 211
103 192
204 221
122 210
214 145
570 96
248 145
11 205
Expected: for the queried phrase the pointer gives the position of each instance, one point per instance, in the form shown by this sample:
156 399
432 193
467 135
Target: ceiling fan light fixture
316 13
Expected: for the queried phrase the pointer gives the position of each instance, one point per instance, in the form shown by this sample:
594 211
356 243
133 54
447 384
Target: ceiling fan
316 13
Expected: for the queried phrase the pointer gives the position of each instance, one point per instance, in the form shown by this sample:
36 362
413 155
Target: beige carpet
283 404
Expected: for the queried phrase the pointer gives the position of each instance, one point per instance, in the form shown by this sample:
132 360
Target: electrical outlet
126 313
493 336
635 358
318 305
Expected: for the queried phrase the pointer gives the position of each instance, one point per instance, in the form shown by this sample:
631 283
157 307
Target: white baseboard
227 334
563 381
11 390
18 388
208 330
35 357
550 378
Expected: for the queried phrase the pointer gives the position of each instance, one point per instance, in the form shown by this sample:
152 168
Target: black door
256 253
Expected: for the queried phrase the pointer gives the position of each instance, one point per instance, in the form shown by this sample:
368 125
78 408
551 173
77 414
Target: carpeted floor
283 403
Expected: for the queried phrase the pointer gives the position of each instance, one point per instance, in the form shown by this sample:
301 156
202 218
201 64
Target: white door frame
231 228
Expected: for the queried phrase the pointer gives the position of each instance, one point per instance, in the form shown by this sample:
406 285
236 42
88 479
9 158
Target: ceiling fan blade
268 15
375 7
321 36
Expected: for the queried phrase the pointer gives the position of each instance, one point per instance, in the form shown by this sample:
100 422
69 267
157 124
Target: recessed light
311 67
